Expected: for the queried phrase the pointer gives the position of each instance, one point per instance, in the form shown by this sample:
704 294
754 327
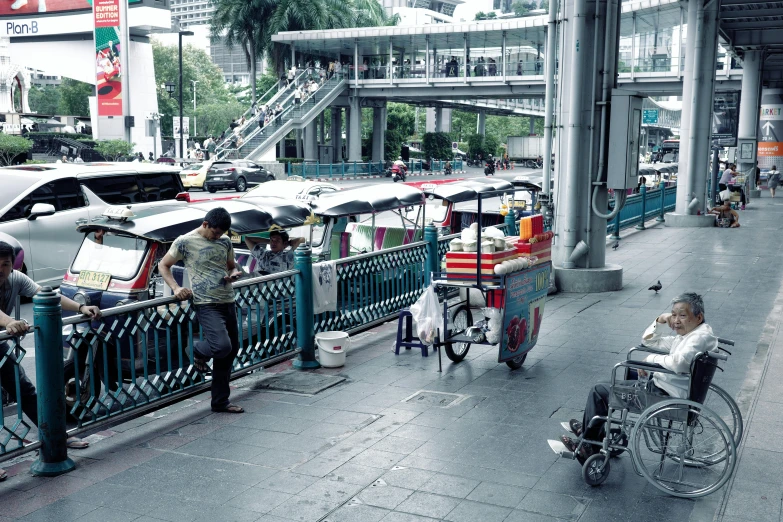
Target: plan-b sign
46 25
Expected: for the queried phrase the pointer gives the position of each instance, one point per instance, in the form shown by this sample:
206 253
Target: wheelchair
684 447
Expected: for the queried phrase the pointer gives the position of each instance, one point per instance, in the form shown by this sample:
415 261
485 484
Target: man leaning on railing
12 284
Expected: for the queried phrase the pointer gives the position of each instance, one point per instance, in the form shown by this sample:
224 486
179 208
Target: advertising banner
526 293
770 129
106 15
725 119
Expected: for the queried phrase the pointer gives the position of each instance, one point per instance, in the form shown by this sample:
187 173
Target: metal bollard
661 219
47 316
643 195
432 262
305 333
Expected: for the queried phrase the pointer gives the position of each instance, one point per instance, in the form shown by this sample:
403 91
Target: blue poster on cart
525 296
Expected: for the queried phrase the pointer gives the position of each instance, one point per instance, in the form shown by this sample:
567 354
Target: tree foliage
114 150
74 97
437 145
214 118
520 9
400 120
45 100
11 147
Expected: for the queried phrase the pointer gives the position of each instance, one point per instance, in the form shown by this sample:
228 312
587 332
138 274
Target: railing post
47 316
305 334
661 219
511 223
432 263
643 194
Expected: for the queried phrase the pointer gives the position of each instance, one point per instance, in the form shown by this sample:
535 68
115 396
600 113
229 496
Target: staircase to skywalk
294 116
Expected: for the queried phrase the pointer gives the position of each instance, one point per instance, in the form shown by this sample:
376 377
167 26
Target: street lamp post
194 82
181 129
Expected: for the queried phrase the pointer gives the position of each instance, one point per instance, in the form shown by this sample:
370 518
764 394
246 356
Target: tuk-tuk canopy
531 184
367 200
470 190
248 215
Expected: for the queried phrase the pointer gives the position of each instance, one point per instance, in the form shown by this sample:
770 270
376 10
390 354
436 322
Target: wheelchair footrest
567 426
560 448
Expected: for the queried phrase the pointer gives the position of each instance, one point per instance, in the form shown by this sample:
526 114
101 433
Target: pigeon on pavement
617 244
657 286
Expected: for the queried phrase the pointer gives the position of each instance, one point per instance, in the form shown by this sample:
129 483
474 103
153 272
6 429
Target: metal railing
641 207
373 287
15 428
357 169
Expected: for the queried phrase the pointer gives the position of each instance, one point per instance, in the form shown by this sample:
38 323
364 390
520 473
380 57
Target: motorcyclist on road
402 168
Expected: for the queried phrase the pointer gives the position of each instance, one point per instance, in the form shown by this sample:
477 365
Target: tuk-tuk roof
469 190
533 184
367 200
248 215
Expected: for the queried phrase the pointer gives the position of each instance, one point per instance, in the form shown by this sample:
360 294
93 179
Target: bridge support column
355 130
702 48
311 142
378 133
532 130
336 132
481 124
749 114
579 253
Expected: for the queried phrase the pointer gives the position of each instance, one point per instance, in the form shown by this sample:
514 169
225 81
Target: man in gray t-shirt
12 285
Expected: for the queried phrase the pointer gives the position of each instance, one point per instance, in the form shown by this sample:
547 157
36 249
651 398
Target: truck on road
525 149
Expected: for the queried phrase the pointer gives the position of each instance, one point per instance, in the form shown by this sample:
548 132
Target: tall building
421 12
192 12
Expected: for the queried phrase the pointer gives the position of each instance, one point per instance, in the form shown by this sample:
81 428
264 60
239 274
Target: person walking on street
12 284
773 180
209 259
211 147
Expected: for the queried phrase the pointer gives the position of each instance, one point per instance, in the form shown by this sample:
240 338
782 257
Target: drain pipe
549 102
575 134
609 81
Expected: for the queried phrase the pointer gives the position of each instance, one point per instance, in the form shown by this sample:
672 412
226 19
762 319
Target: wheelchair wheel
461 319
595 469
719 401
675 443
618 438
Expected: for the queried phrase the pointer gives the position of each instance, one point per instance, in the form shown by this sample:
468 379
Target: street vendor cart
512 275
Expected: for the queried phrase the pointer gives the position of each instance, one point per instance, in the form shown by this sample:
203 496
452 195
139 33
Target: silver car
41 205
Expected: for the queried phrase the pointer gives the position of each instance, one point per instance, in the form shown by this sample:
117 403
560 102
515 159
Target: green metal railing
15 428
357 169
642 207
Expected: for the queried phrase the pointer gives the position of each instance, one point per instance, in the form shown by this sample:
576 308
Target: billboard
725 118
39 7
108 84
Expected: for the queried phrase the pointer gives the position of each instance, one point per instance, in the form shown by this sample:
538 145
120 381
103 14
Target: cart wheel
595 469
517 362
461 319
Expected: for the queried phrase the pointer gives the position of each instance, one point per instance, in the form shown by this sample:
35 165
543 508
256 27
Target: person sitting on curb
12 284
275 259
725 216
694 335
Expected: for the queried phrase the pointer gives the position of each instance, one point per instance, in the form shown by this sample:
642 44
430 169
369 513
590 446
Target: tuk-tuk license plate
94 280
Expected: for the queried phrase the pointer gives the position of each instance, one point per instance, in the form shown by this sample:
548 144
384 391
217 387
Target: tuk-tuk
442 203
116 265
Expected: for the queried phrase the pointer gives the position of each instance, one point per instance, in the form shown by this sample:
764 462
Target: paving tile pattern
358 452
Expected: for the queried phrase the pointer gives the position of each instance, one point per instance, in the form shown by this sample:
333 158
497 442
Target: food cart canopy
368 200
470 190
248 215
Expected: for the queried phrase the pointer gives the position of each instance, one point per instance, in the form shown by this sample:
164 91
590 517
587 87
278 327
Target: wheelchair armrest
638 365
648 349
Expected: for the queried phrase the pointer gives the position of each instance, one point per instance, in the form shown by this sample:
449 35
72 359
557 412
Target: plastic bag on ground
495 323
427 313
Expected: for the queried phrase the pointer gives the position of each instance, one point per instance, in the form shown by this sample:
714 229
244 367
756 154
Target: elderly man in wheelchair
674 432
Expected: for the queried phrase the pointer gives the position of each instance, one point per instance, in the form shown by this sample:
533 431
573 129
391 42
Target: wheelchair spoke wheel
617 437
675 444
719 401
595 469
461 319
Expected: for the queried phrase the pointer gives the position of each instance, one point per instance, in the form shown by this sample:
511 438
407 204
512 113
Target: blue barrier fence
652 203
348 170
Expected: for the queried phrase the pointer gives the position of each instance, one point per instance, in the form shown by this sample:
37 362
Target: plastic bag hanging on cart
427 313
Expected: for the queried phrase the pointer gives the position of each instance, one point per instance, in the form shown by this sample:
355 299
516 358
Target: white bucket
331 348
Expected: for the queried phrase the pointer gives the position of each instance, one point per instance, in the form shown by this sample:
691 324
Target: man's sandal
231 408
76 443
3 475
201 365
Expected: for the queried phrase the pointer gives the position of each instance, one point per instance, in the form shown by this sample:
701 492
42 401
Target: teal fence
355 169
15 427
650 203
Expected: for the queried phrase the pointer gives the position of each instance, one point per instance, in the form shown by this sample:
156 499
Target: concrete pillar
685 116
299 153
321 132
749 107
532 130
311 141
430 123
481 123
701 106
281 148
355 130
445 120
337 134
378 133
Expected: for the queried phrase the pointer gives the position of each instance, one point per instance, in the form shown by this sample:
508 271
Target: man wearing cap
277 258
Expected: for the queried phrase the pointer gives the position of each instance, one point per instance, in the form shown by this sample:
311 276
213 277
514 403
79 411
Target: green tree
491 15
214 118
481 15
400 120
196 65
114 150
45 100
74 97
519 8
11 147
544 5
437 145
463 124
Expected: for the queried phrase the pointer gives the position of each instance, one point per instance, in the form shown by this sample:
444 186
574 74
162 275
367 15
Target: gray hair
693 300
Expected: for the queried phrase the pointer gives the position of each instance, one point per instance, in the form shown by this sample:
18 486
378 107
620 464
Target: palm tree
239 22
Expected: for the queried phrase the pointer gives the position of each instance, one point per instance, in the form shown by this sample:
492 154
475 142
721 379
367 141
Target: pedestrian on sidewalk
209 259
773 180
12 284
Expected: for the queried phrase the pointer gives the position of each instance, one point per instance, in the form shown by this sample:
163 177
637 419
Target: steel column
305 331
683 191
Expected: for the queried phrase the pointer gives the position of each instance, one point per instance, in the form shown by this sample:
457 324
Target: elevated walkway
362 449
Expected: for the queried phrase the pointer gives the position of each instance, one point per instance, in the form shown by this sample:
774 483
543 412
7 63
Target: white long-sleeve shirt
682 349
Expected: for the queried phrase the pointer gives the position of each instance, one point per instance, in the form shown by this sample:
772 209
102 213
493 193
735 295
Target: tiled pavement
359 452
